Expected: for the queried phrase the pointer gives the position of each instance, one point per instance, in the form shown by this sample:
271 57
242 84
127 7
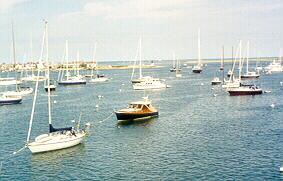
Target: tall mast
78 59
199 48
14 55
140 59
93 58
67 58
280 55
35 92
135 62
222 66
248 52
240 60
48 73
31 53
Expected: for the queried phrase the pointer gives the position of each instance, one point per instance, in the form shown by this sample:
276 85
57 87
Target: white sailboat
178 69
55 139
32 77
97 78
67 79
234 82
198 68
249 74
216 80
19 91
141 78
146 82
243 89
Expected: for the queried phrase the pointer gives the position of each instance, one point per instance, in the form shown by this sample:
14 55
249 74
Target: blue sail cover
52 129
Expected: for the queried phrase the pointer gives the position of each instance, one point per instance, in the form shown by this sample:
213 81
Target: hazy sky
165 25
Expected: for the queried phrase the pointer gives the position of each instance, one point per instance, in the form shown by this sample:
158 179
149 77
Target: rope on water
106 118
10 156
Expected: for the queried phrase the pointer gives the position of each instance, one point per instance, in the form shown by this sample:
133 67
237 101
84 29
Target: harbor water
201 133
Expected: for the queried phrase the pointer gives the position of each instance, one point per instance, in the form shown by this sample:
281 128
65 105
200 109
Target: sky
166 26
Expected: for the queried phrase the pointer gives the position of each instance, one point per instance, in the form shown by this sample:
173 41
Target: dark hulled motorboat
197 69
216 81
245 90
136 111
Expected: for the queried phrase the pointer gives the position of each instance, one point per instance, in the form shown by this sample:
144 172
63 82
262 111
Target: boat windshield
135 106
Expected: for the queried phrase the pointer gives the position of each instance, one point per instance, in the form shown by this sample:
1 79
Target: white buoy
55 102
97 106
87 124
214 95
281 169
120 90
202 84
123 84
272 105
212 88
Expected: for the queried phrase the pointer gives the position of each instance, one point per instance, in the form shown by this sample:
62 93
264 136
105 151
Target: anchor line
5 159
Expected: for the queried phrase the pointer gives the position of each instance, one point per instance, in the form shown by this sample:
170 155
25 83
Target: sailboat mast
67 58
135 62
93 58
240 60
14 55
140 58
35 92
48 73
248 52
199 47
78 59
222 66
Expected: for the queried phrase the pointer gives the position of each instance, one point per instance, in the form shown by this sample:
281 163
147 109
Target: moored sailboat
198 68
56 138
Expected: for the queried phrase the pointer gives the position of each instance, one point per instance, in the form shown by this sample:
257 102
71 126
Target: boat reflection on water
57 156
137 122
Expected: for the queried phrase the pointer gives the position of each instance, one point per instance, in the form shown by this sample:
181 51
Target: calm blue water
196 137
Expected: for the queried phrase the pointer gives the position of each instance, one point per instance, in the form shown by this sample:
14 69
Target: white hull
9 82
178 75
24 92
102 79
149 86
33 78
51 142
234 84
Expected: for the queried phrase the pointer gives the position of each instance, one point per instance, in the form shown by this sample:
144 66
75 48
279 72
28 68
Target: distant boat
96 78
243 89
68 79
7 99
137 110
175 65
178 73
56 138
249 74
216 81
150 83
198 68
9 81
19 91
275 65
141 78
51 85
